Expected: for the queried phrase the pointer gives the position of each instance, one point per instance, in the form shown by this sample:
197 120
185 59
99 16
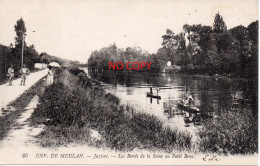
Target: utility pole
22 52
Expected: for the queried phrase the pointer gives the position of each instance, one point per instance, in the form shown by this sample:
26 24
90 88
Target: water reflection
211 96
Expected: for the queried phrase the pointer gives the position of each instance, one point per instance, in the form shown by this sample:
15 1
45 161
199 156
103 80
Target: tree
253 37
168 40
45 58
20 30
205 37
193 38
32 54
253 32
240 33
219 25
223 41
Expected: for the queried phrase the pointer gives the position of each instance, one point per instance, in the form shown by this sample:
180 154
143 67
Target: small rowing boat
188 108
153 96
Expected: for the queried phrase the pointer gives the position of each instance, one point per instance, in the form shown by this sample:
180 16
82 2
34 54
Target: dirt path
20 147
10 93
22 135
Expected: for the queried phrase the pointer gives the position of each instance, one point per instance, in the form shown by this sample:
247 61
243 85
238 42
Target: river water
211 95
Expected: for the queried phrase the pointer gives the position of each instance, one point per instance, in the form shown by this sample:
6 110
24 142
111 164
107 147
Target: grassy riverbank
74 106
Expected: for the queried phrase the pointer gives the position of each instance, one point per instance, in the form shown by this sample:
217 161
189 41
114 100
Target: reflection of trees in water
250 89
189 118
224 97
210 95
129 78
215 95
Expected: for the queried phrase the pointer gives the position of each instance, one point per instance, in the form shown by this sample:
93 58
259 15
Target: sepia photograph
129 82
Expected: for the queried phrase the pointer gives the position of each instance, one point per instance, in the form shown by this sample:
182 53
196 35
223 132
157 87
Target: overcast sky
71 29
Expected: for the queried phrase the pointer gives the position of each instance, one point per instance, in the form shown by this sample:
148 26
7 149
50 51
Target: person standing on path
24 71
49 79
10 74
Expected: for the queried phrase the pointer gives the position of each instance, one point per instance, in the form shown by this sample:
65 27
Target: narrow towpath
22 135
10 93
20 147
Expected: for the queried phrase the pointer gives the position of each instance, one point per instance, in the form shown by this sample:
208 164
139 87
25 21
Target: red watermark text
130 65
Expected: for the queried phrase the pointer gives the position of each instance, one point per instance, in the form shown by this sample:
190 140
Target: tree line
196 49
13 53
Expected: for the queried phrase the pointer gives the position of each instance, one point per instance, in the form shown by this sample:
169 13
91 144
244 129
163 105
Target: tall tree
253 32
168 40
20 30
253 37
219 25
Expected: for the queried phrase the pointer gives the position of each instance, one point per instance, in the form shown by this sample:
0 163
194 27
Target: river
211 95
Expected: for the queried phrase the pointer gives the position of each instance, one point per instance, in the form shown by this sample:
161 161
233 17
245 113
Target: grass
59 135
74 104
7 121
233 132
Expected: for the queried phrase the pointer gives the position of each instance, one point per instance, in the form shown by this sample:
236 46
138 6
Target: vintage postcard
129 82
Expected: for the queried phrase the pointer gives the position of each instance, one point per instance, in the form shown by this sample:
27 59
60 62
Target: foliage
197 49
219 25
71 103
231 133
75 70
13 53
46 58
102 57
214 51
253 32
20 30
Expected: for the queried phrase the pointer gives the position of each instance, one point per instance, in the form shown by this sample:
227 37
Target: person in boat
190 99
151 90
185 101
157 89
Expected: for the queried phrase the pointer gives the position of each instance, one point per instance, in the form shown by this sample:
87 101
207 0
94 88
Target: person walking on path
24 71
9 94
10 74
49 79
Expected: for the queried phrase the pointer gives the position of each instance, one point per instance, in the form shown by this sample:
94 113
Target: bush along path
75 109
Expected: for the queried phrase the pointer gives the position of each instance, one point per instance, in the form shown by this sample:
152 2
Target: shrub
84 81
75 70
69 102
231 133
112 98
